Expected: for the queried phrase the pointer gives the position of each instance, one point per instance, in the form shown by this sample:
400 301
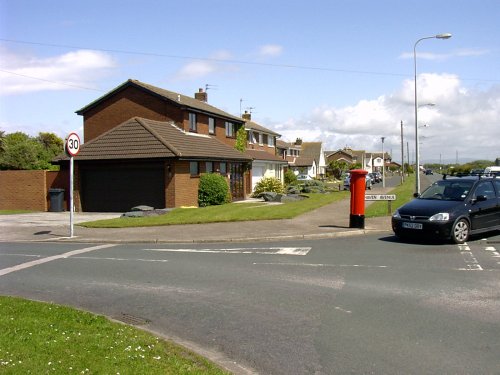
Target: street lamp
383 163
417 175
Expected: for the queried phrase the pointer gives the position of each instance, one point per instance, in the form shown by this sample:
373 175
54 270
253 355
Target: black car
451 208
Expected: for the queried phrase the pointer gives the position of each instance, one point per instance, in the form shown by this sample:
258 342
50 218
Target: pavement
326 222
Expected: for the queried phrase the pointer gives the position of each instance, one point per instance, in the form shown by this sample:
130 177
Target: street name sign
380 197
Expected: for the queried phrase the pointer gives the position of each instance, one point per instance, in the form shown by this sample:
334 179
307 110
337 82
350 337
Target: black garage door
118 188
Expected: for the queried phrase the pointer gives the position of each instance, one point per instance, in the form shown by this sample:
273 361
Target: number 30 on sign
73 144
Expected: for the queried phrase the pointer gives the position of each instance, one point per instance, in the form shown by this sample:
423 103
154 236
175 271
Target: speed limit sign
73 144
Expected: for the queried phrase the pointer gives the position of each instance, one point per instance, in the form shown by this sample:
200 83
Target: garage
117 187
257 174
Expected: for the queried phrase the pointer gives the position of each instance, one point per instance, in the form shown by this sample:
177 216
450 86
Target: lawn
43 338
14 212
225 213
404 193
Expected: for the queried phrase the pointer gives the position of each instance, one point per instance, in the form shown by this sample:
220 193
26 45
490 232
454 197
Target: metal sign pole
71 196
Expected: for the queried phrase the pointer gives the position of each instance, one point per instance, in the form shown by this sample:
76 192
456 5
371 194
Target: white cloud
463 120
270 50
26 73
216 63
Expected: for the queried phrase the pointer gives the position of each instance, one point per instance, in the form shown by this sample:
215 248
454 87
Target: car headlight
442 216
396 215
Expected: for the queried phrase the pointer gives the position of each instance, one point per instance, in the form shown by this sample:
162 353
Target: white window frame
229 129
270 141
211 125
192 122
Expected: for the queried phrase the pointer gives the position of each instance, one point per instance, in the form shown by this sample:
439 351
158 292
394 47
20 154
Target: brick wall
186 187
128 103
23 190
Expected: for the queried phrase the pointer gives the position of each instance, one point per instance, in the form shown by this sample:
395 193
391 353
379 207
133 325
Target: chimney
201 96
247 116
298 142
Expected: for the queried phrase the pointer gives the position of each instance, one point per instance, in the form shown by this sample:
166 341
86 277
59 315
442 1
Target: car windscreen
449 190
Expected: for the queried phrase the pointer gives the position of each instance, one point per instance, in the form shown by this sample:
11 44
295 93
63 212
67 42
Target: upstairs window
270 141
261 137
229 129
192 122
211 125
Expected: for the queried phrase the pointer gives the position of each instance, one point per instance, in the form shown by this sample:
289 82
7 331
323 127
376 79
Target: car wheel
460 231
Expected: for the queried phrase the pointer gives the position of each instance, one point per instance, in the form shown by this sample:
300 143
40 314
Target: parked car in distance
493 170
368 182
375 178
303 177
452 208
429 171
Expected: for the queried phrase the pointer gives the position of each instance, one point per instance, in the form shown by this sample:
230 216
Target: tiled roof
311 149
139 138
304 161
250 125
176 98
262 155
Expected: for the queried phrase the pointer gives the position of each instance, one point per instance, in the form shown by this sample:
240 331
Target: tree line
20 151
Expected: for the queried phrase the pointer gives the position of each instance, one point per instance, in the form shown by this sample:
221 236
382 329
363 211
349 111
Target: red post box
357 187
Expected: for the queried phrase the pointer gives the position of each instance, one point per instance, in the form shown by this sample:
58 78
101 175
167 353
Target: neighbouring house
261 148
369 161
288 151
147 145
311 157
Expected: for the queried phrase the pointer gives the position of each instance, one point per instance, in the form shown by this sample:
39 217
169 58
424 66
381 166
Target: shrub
271 184
213 190
290 177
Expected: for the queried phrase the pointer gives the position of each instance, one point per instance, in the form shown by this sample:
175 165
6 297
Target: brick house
147 145
261 148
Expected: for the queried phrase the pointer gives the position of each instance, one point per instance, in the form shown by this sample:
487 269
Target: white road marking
470 260
494 252
344 311
320 265
244 250
33 263
129 259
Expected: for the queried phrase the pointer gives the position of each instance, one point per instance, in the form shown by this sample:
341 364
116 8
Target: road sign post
72 148
382 197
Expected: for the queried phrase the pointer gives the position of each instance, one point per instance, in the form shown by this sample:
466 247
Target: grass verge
14 212
43 338
404 193
225 213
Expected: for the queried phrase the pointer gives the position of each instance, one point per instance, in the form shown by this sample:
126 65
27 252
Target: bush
290 177
213 190
313 186
271 184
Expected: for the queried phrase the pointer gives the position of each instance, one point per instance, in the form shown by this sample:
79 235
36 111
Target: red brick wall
23 190
186 187
124 105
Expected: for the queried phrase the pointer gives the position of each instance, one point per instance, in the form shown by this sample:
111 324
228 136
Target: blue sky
336 71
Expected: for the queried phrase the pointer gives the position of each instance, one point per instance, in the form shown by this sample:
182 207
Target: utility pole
402 155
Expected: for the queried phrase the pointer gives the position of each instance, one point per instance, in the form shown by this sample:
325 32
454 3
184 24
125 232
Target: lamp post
383 163
417 176
402 156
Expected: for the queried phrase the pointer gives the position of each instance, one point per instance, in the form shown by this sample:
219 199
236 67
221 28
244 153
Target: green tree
338 167
241 139
20 151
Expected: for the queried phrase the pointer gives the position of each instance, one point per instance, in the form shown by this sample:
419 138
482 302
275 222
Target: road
366 304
